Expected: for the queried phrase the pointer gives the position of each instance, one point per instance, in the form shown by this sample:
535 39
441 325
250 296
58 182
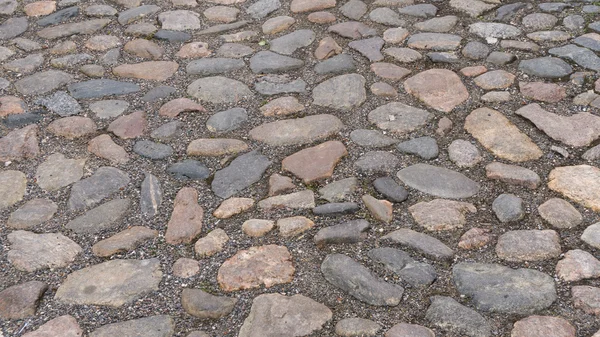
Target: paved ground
299 168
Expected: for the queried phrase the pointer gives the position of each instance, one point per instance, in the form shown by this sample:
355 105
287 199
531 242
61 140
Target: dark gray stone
595 26
189 169
390 189
58 16
582 56
243 171
443 57
448 314
172 36
289 43
103 217
267 62
336 208
371 138
150 196
104 182
553 6
423 243
61 104
438 181
101 88
352 277
213 66
160 92
546 67
13 27
424 147
227 120
21 120
152 150
399 262
348 232
507 12
508 207
201 304
501 289
343 63
128 16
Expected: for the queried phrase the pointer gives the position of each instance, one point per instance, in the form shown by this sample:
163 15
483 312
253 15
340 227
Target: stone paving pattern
275 168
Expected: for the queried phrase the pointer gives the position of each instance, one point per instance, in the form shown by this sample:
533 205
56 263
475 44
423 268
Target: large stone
214 66
247 269
75 28
123 241
73 127
241 173
104 182
129 126
297 131
343 92
12 187
315 163
512 174
284 316
587 299
42 82
214 147
528 245
20 144
21 301
440 89
546 67
441 214
57 172
13 27
153 326
65 326
543 326
301 6
578 265
580 183
219 90
582 56
179 20
497 134
103 217
352 277
500 289
294 226
185 223
289 43
267 62
204 305
399 118
591 235
31 252
494 30
448 314
355 326
424 243
104 147
161 70
560 213
211 244
101 88
32 213
438 181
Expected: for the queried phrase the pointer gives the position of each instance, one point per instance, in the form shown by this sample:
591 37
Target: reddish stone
124 241
545 92
175 107
40 8
21 301
193 50
233 206
381 210
293 226
214 147
277 24
144 48
543 326
578 265
383 89
20 144
321 17
151 70
11 105
211 244
185 267
315 163
186 220
279 184
440 89
389 71
282 106
587 299
102 42
497 79
64 326
129 126
327 48
104 147
473 71
73 127
474 238
301 6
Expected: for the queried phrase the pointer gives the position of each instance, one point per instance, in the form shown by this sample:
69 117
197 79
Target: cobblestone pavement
275 168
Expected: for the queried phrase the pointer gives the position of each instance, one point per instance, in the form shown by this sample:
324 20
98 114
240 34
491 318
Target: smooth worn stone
508 207
174 107
185 268
279 184
302 6
103 217
151 196
222 14
463 153
371 138
437 25
219 90
144 48
399 118
194 50
350 327
377 162
8 7
112 283
591 235
315 163
539 21
104 182
497 79
92 70
214 147
101 88
343 92
578 183
179 20
234 50
423 243
500 58
289 43
473 8
448 314
501 289
25 65
400 263
152 150
31 252
386 16
321 17
246 35
297 131
549 36
167 131
75 28
405 330
444 126
102 42
129 126
438 181
185 223
542 326
380 209
354 9
277 24
424 147
57 172
12 187
13 27
389 71
420 10
65 325
390 189
339 190
475 50
512 174
441 214
211 244
494 30
519 45
369 48
214 66
21 300
32 213
264 265
528 245
43 82
73 127
560 213
352 30
496 97
241 173
189 169
153 326
274 85
161 70
279 315
553 6
20 144
353 231
587 299
257 227
352 277
327 48
338 64
546 67
578 265
576 130
474 238
141 30
124 241
223 28
440 89
545 92
204 305
104 147
395 35
496 133
139 12
233 206
282 106
434 41
100 10
294 226
297 200
590 41
443 57
228 120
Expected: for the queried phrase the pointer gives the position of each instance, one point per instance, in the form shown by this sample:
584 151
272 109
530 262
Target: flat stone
297 131
321 17
395 35
100 10
302 6
167 131
342 92
497 79
323 159
403 55
389 71
297 200
434 41
234 50
227 120
104 182
501 289
247 269
32 213
354 9
8 7
578 265
75 28
112 283
512 174
31 252
423 243
380 209
399 118
386 16
129 126
474 238
25 65
194 50
473 8
214 66
214 147
211 244
343 63
591 235
151 196
420 10
550 36
353 231
13 185
161 70
101 218
289 43
463 153
578 183
336 208
73 127
519 45
219 90
279 315
528 245
101 88
545 92
204 305
179 20
59 16
369 48
123 241
438 181
352 30
185 223
20 144
21 300
223 14
576 130
257 227
560 213
13 27
371 138
241 173
174 107
280 84
189 169
65 325
144 48
104 147
282 106
356 327
405 329
294 226
437 25
339 190
441 214
185 268
539 326
350 276
57 172
233 206
390 189
42 82
417 274
152 150
448 314
152 326
377 162
424 147
497 134
494 30
508 207
587 299
440 89
546 67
